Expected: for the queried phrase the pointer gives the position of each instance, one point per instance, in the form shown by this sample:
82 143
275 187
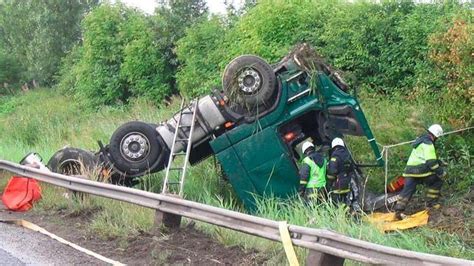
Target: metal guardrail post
166 220
321 241
323 259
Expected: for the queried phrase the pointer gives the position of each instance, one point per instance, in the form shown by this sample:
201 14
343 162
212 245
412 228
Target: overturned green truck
253 126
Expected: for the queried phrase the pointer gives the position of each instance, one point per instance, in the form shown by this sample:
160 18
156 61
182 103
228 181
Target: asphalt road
7 259
21 246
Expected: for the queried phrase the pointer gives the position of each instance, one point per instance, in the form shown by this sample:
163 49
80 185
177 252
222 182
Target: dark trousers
315 194
433 182
340 198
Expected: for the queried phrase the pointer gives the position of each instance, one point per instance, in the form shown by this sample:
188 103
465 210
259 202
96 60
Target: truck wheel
249 81
136 149
72 161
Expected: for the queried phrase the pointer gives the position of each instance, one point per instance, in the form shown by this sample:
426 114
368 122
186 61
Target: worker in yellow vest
422 167
312 173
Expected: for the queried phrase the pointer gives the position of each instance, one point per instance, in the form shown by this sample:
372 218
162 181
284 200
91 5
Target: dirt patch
184 246
454 217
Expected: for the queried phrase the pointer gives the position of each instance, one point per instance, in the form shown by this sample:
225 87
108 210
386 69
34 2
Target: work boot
433 205
400 215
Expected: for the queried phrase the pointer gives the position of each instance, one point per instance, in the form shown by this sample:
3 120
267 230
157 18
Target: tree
173 17
119 58
198 52
39 33
9 71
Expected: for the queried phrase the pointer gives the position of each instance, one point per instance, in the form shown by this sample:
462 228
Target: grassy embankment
44 121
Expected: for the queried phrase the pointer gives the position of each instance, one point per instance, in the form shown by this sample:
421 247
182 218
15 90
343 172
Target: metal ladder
188 140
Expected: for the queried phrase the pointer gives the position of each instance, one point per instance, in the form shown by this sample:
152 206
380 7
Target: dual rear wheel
137 149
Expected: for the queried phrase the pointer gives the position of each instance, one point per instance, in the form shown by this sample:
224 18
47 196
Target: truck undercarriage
253 126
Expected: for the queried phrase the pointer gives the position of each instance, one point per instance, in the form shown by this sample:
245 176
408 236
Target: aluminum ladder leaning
185 138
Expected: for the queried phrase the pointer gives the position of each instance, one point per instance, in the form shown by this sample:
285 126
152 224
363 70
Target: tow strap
287 244
43 231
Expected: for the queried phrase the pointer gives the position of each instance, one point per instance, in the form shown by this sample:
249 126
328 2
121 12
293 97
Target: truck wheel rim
134 147
71 167
249 81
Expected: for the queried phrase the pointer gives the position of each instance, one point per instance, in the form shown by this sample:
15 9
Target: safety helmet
436 130
306 146
337 142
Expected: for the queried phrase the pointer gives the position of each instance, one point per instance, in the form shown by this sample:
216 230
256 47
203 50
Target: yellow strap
287 244
433 191
303 182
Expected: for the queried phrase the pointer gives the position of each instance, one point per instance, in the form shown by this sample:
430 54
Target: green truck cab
253 127
261 158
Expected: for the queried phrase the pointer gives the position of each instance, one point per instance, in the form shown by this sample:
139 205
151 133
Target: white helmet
436 130
337 142
306 146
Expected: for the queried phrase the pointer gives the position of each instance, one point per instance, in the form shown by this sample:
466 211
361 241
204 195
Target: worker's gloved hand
441 172
442 163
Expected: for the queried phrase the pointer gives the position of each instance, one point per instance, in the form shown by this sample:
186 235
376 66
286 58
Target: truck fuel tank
208 118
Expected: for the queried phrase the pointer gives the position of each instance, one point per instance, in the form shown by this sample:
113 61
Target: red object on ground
396 184
20 193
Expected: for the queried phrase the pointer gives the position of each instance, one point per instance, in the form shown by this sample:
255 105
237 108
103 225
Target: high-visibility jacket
317 174
313 172
422 161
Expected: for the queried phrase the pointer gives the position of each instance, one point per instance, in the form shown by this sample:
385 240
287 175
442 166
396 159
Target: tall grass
327 216
44 121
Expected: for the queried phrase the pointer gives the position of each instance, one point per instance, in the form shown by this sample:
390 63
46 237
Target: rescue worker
422 167
312 173
340 172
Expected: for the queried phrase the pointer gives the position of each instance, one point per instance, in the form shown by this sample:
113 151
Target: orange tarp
20 193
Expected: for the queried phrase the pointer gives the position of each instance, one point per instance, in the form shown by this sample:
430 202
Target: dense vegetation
117 53
412 63
54 121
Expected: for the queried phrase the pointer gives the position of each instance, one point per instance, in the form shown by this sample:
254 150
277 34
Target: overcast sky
215 6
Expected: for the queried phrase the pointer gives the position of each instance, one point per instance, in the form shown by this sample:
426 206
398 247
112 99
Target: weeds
57 121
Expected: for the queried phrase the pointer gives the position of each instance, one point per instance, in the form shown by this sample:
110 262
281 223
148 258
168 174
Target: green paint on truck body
255 157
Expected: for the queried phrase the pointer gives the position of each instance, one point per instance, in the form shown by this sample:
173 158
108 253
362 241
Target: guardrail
318 241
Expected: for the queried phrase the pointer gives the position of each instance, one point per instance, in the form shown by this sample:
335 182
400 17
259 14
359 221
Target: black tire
72 161
142 140
250 83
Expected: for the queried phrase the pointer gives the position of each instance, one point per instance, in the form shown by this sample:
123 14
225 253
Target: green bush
384 46
119 58
199 52
268 30
37 34
10 71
